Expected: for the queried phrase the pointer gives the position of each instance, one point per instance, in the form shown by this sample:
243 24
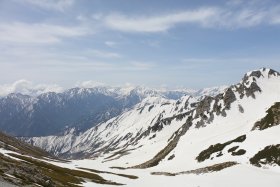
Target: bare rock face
271 119
203 106
270 155
218 148
273 73
257 74
229 98
252 89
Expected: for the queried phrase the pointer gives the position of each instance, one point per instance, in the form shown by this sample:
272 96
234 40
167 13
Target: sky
163 43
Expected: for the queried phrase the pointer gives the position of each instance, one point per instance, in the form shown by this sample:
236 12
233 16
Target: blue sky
178 43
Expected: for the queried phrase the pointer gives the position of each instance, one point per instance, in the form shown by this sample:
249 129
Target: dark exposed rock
248 91
206 154
273 73
220 154
270 155
152 137
257 74
252 89
203 106
233 149
239 152
229 97
193 105
151 107
200 124
271 119
217 107
171 157
240 108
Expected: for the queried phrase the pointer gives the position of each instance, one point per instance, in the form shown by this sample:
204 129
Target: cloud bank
28 88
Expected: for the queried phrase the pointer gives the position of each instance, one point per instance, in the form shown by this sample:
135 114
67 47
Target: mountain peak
263 72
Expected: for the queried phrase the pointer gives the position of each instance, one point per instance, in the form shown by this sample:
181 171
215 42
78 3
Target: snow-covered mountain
233 127
53 113
230 139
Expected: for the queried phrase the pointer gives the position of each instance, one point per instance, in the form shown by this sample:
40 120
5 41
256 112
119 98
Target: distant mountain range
53 113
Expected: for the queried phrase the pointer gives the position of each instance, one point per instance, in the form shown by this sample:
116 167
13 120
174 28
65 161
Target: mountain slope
143 121
24 165
198 141
165 134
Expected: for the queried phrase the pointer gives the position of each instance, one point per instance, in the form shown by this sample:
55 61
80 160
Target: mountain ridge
76 108
177 117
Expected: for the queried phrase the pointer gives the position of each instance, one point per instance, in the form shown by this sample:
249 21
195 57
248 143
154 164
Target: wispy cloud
19 32
58 5
227 17
156 23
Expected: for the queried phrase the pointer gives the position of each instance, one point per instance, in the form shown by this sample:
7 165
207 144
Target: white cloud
27 87
208 17
59 5
156 23
37 33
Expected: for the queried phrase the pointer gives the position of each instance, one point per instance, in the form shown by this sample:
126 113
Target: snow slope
187 136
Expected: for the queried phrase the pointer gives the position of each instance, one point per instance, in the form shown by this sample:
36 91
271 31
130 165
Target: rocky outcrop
229 97
271 119
270 155
217 148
